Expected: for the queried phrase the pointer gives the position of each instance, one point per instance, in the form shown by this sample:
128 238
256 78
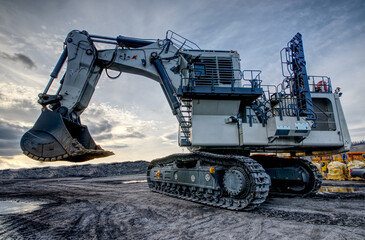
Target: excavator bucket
54 138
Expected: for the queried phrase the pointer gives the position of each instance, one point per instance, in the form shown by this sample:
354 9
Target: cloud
113 125
21 161
132 133
360 129
169 138
357 134
172 136
102 127
10 134
108 135
16 96
6 144
10 131
102 136
19 58
116 146
10 152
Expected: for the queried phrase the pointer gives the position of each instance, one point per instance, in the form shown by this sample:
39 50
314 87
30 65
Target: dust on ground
124 208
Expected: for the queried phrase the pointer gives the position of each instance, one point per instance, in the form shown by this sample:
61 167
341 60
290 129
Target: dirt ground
124 208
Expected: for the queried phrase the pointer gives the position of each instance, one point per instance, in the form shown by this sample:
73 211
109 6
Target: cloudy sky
129 115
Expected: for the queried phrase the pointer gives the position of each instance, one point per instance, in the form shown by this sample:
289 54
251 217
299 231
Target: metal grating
218 70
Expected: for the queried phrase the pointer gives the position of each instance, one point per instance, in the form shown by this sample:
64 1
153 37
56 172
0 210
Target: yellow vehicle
337 171
337 158
324 165
338 167
356 156
354 165
323 161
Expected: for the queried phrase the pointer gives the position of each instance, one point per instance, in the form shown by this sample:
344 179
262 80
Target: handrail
212 76
320 84
180 40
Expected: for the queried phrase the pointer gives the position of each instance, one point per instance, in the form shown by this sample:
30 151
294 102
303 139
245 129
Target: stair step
185 132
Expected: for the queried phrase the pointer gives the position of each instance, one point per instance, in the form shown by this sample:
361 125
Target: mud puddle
134 181
16 206
325 189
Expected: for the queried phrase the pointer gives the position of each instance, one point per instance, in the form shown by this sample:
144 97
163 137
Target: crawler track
292 188
257 190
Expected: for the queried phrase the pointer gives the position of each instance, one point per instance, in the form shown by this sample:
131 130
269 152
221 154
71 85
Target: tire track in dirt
95 209
315 218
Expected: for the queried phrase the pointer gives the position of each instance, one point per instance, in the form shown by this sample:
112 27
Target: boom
58 133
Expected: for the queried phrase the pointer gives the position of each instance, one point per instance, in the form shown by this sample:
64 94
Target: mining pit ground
123 207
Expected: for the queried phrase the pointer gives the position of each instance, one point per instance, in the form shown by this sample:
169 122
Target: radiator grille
216 69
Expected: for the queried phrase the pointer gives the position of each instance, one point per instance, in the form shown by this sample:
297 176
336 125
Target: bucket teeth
54 138
81 156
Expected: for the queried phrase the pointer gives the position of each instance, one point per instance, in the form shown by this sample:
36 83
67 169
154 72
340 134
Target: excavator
227 118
